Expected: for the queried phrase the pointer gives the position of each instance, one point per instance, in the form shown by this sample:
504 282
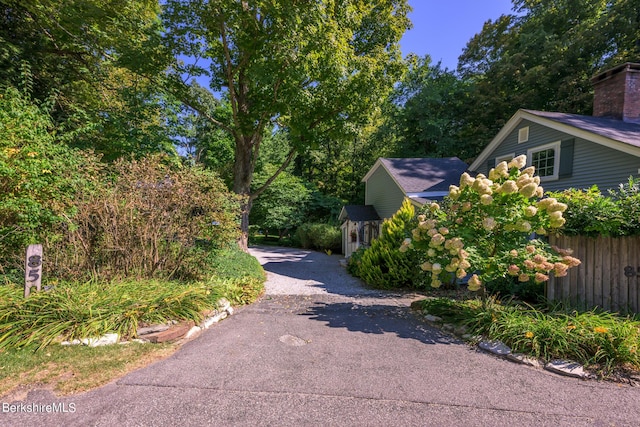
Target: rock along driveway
319 349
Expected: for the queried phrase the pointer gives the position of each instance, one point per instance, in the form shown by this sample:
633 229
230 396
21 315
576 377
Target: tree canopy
316 70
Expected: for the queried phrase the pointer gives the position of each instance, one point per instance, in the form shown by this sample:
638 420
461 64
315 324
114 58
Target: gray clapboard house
387 184
575 151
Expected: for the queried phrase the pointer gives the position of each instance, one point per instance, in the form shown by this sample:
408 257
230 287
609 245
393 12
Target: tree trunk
242 176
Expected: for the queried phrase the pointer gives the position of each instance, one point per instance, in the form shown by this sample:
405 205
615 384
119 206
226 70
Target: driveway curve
320 349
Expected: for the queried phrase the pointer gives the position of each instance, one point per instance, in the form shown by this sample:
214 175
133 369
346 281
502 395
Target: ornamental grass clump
484 230
603 342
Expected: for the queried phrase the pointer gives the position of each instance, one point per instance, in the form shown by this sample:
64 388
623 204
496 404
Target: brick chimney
617 93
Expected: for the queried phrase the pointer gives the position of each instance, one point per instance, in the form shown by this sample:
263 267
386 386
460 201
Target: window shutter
566 158
491 163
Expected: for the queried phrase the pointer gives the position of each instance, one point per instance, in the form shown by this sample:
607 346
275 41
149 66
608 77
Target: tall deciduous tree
316 70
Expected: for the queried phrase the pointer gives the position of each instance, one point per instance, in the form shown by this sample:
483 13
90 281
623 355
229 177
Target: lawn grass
72 369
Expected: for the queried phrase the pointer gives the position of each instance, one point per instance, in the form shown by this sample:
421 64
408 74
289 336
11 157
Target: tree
39 176
426 111
316 70
283 206
81 54
543 56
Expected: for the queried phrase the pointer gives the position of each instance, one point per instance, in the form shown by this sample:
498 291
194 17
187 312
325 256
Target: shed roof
359 213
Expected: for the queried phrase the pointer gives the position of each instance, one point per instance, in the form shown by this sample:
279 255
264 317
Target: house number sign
631 272
33 269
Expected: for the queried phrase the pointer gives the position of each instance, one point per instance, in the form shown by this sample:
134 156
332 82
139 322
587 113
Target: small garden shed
360 225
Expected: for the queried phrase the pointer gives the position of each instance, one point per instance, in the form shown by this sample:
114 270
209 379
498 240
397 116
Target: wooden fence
608 278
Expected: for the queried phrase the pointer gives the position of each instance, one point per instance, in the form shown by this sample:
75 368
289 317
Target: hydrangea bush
490 228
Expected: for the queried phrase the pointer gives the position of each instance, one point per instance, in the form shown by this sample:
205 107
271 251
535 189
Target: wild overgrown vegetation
135 241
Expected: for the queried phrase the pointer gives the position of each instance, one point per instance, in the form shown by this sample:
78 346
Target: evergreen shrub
383 265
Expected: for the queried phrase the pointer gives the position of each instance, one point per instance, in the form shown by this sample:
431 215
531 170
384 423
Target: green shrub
39 177
233 263
319 236
627 197
383 265
529 291
591 213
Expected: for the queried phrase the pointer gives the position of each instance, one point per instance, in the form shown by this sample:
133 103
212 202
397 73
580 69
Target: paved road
319 349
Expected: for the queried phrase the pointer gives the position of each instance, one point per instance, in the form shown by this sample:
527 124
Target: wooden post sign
33 269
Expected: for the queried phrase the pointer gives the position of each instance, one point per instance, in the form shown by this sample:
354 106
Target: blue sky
442 28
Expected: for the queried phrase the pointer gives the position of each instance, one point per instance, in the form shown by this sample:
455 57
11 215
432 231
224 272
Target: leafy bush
383 265
150 219
529 291
485 230
39 177
319 236
591 213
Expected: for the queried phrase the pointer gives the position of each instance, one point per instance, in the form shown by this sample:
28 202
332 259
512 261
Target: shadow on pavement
377 319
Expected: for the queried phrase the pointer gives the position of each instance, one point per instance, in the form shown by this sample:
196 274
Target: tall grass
92 309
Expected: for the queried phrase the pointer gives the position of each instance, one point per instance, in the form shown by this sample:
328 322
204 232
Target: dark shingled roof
416 175
359 213
617 130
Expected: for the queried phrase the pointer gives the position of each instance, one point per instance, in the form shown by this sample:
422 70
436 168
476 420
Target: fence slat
600 281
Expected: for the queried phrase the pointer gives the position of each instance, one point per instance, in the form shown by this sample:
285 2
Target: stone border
498 348
160 333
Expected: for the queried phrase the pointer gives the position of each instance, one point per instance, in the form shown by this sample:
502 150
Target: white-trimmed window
523 134
546 160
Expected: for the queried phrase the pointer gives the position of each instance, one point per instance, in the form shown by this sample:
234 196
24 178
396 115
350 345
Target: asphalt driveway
320 349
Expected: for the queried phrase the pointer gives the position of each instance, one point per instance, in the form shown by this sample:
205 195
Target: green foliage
591 213
316 70
383 265
91 309
234 264
426 110
39 176
81 53
283 205
319 236
542 57
509 286
601 341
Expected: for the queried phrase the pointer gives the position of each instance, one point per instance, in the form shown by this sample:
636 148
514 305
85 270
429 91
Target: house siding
592 163
383 193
